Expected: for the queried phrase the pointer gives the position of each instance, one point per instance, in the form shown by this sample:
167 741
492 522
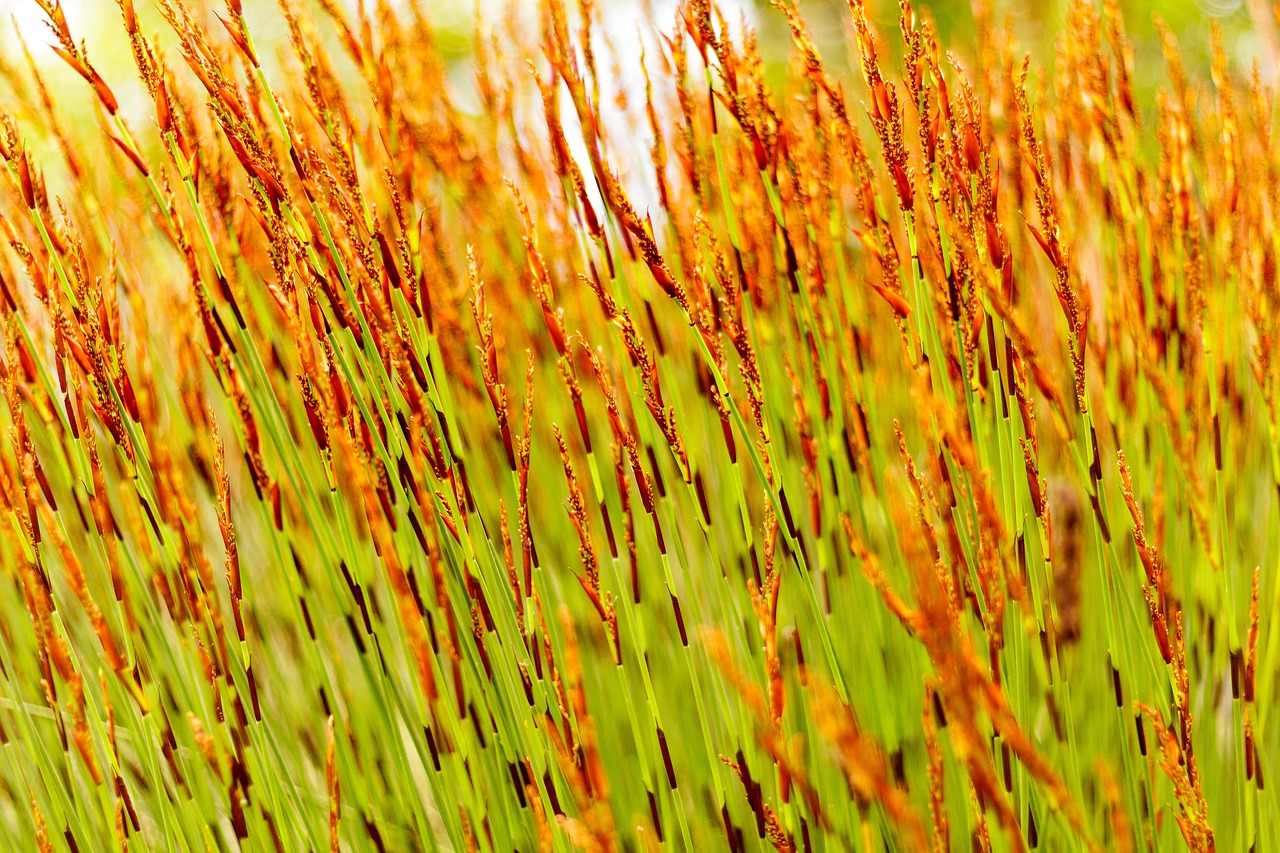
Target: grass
381 474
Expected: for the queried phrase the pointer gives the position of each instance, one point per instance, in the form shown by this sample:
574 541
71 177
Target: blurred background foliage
1249 29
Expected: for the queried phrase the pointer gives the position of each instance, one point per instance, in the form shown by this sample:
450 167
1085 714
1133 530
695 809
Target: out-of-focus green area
1247 26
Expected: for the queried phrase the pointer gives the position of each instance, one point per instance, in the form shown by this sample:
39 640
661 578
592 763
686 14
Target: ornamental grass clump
878 451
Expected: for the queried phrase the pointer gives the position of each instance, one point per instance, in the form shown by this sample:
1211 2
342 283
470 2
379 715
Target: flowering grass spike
875 447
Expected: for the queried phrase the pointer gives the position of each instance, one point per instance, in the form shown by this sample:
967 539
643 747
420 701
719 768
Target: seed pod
128 397
935 125
164 117
972 150
1048 245
105 95
896 302
236 36
555 328
758 149
274 190
314 417
995 244
880 101
903 182
663 278
24 180
133 156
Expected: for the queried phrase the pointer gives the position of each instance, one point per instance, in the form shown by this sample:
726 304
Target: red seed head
972 149
24 180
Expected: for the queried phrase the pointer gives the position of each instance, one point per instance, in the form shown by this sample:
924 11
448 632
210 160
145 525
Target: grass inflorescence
870 460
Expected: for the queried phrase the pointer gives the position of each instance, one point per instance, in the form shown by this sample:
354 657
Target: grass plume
766 457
